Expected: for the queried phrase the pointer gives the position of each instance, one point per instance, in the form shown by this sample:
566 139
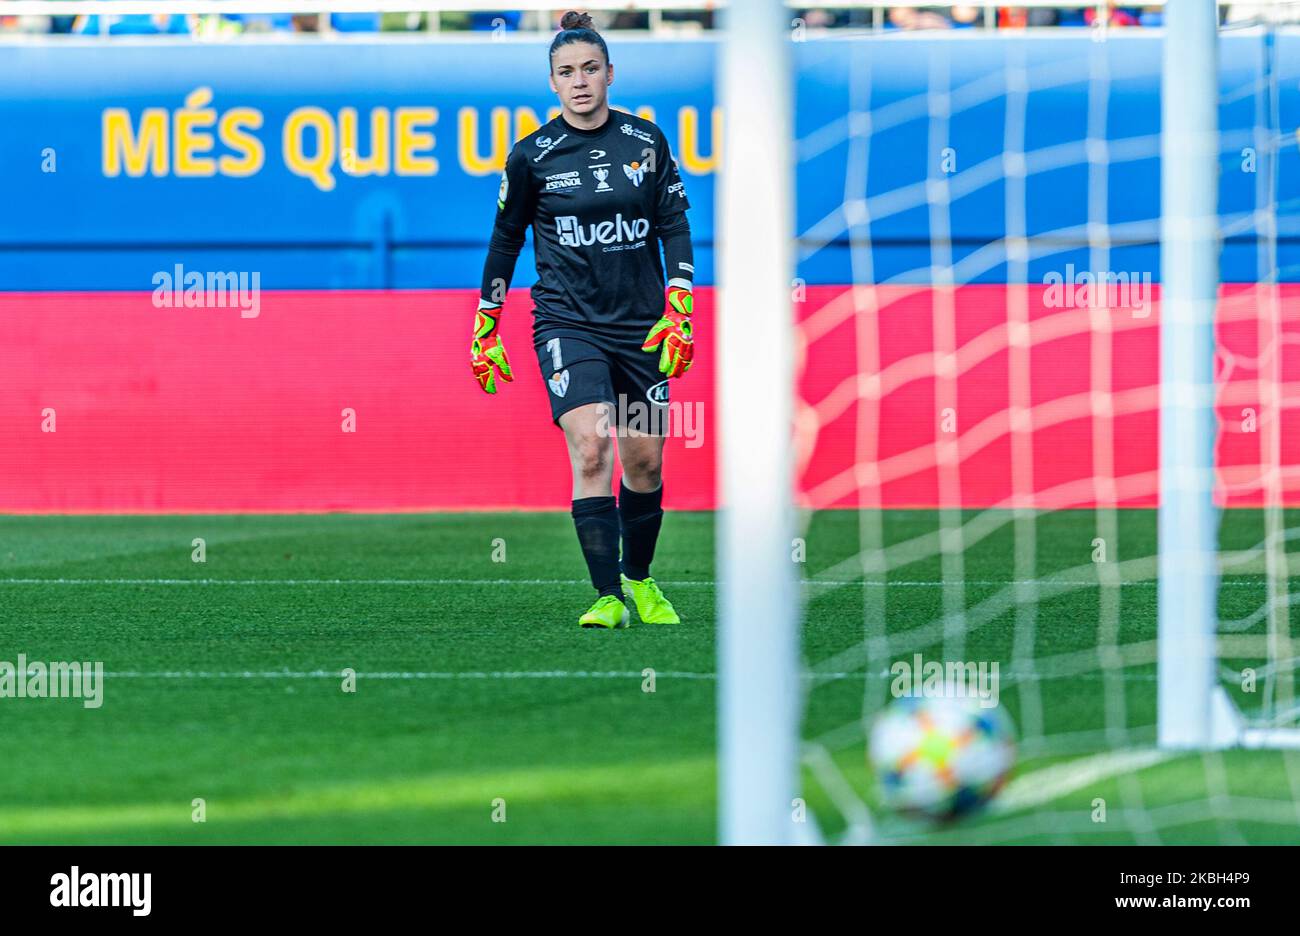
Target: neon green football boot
607 612
651 605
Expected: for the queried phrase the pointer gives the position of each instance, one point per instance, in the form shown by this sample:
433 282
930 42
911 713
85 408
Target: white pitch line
337 674
832 583
520 674
1042 786
255 582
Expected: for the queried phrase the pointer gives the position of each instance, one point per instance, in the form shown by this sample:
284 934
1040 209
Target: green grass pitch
479 699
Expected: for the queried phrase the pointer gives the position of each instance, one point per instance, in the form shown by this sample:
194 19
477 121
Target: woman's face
580 77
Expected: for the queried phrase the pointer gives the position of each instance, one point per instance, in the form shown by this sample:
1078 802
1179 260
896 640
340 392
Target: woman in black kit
601 191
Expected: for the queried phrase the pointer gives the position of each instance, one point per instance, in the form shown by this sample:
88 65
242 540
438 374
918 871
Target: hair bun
573 20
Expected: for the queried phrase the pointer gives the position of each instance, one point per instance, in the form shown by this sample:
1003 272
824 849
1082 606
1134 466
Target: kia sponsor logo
574 234
658 394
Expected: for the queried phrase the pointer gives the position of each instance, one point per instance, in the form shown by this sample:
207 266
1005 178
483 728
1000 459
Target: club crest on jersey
559 383
635 172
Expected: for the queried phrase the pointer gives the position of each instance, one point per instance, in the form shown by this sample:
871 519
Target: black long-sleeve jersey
598 201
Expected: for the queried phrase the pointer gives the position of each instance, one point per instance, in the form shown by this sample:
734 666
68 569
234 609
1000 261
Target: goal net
978 425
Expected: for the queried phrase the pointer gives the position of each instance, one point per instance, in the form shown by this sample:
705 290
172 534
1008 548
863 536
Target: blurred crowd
220 26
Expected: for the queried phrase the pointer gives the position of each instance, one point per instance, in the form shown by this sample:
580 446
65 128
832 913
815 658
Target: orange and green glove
487 353
671 335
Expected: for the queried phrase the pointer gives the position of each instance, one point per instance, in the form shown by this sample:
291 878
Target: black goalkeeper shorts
578 372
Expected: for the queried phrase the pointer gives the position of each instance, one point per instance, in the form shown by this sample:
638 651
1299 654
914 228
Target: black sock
596 520
642 515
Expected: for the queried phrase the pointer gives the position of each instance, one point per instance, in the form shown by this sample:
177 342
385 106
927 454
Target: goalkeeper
600 190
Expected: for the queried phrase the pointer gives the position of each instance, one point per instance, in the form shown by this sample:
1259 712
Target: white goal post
1189 258
1193 710
758 638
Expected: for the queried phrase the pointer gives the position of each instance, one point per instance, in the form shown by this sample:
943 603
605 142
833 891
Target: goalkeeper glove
486 350
671 335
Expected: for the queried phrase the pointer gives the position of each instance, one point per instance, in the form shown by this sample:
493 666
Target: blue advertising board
369 164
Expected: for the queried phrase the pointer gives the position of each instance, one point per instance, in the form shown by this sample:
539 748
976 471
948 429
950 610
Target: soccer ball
941 757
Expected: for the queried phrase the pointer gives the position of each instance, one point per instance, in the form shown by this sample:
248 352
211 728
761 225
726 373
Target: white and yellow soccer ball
941 757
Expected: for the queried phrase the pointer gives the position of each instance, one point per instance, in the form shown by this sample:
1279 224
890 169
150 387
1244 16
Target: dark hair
576 27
